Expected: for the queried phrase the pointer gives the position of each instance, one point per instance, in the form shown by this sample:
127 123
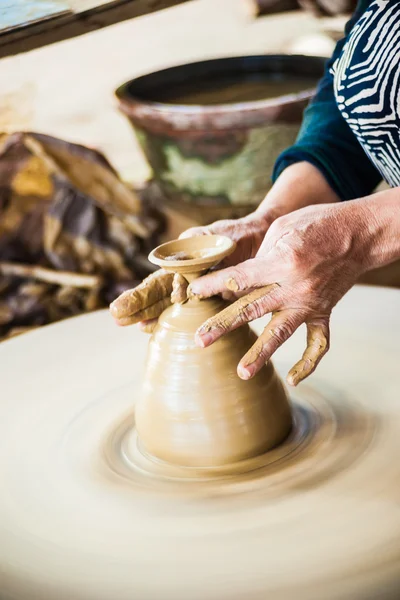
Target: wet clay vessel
194 409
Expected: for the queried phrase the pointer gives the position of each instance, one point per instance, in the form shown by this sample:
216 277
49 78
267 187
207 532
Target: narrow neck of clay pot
192 257
192 276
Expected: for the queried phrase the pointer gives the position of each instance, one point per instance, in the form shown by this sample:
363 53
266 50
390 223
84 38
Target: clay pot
219 154
194 409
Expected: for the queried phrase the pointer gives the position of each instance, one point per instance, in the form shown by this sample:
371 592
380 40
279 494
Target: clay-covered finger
155 288
233 296
179 289
281 327
152 312
248 308
317 347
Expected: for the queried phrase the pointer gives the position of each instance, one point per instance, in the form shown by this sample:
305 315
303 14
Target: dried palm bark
72 234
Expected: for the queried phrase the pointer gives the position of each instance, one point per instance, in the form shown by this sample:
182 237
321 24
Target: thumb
193 231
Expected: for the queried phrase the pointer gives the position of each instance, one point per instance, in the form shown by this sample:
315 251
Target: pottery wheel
85 515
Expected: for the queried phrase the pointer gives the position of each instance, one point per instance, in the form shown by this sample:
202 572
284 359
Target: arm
327 142
300 184
380 236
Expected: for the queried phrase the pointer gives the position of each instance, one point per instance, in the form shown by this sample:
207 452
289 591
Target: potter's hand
308 260
299 185
145 303
248 233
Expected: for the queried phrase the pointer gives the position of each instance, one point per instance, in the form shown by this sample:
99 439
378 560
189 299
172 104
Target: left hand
308 260
145 303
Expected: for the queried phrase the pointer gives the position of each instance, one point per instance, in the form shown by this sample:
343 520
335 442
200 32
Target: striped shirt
351 129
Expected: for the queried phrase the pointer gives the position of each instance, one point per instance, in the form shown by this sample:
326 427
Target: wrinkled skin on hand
248 233
308 260
146 302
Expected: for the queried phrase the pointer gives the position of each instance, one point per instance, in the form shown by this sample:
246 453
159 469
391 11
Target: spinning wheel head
192 255
315 517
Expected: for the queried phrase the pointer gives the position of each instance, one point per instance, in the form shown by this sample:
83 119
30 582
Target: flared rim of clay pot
203 252
136 97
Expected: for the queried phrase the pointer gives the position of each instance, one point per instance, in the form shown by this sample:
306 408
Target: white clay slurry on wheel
320 520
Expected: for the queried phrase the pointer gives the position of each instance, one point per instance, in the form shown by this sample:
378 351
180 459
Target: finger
241 278
153 289
317 347
232 296
282 325
193 231
246 309
149 313
148 326
179 287
229 296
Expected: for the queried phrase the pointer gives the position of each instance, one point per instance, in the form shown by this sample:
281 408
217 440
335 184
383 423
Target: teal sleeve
326 140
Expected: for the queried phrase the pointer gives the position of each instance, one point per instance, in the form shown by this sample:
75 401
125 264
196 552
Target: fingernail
291 381
244 372
117 310
203 339
195 289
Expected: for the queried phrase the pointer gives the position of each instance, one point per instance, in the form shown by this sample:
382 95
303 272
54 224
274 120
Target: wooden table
25 25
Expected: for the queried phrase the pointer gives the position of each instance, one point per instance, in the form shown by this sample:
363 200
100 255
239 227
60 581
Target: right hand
145 303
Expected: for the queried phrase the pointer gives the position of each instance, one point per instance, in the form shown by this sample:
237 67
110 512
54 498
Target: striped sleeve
326 141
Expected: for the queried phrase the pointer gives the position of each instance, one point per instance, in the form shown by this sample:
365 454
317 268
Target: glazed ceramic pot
221 151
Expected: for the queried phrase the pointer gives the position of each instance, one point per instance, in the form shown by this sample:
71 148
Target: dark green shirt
326 140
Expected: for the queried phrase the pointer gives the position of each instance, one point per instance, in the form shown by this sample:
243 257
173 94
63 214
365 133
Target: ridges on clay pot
194 410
